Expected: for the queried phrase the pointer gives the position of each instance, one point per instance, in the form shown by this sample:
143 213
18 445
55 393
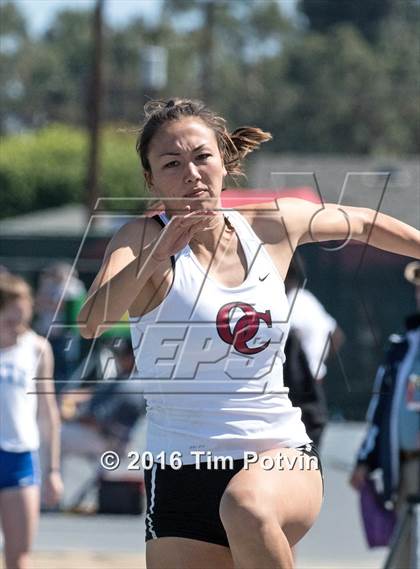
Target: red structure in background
232 197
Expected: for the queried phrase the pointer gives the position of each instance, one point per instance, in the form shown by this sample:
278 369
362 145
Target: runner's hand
53 488
179 232
358 477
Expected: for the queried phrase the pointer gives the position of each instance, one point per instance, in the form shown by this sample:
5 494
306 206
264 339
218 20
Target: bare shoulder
44 352
41 343
277 208
274 221
295 206
134 235
45 366
287 215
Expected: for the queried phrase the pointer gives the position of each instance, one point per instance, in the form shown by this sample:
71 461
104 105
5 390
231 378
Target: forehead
184 134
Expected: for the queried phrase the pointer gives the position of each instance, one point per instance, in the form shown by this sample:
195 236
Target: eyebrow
178 153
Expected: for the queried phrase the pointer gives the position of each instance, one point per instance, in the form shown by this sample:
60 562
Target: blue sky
39 13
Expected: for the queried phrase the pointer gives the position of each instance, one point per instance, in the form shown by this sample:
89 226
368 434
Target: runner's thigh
291 489
183 553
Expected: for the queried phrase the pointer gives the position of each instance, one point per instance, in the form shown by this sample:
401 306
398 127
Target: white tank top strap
252 241
252 245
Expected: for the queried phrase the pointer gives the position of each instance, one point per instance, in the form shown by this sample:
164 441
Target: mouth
196 193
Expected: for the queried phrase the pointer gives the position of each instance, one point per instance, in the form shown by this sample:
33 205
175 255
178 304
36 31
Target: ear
224 171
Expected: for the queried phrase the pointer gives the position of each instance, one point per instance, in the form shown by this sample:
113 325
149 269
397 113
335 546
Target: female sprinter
208 316
24 356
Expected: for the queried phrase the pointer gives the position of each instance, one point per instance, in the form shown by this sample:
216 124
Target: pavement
74 541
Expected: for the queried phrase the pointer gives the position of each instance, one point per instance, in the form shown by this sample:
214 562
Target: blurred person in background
391 446
312 334
103 418
58 285
24 357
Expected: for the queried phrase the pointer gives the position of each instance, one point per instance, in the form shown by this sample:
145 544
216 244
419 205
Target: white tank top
18 403
210 360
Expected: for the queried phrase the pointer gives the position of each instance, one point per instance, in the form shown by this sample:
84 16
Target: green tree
125 90
341 96
47 168
365 15
399 45
63 65
333 90
223 47
14 42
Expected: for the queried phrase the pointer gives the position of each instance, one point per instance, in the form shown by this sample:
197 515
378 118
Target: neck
8 338
218 235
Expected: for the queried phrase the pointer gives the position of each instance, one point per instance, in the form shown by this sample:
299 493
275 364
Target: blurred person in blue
312 334
204 288
390 451
24 358
59 284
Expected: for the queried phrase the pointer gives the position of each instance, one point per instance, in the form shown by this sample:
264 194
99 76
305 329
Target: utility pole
94 100
207 51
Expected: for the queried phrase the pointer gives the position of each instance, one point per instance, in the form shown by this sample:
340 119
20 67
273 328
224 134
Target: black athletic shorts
185 502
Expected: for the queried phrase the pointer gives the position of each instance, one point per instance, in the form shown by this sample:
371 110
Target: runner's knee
245 511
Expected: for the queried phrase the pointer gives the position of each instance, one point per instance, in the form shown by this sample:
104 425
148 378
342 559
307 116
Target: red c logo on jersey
245 328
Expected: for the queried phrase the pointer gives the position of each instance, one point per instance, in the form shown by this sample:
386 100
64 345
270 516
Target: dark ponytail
244 140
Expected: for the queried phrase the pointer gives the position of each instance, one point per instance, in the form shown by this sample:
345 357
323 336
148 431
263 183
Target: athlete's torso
18 402
210 357
232 271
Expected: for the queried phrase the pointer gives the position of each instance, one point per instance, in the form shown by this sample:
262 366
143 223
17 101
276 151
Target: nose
192 173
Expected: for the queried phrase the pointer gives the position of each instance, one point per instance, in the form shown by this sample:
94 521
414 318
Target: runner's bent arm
133 256
308 222
126 269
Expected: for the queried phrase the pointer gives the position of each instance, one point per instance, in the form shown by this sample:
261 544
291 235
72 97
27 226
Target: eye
204 156
171 164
